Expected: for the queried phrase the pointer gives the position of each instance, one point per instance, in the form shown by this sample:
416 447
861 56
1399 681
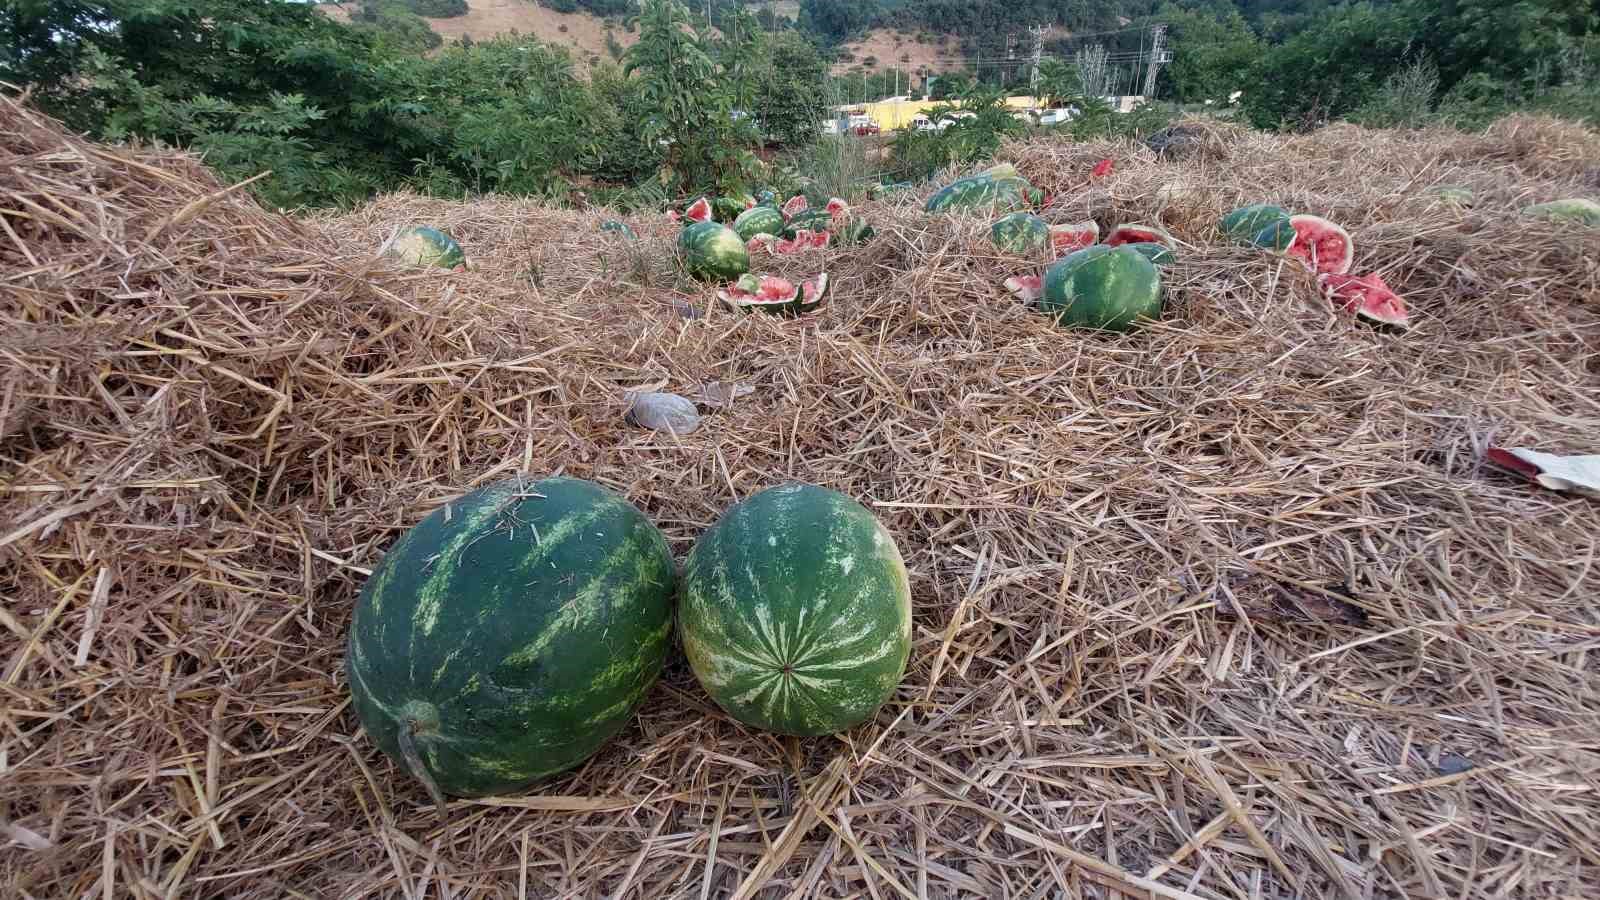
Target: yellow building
892 115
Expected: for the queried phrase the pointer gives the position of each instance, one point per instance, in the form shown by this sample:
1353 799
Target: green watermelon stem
406 735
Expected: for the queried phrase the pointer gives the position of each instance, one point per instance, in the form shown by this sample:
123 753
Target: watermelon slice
1324 247
760 242
795 206
837 207
1066 238
1027 288
1138 234
772 294
699 211
816 238
1366 296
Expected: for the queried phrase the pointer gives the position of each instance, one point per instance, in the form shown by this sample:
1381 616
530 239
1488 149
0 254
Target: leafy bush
1405 100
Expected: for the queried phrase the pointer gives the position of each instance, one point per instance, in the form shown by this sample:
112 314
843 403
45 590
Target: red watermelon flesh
1324 247
816 238
837 207
761 241
699 211
1367 296
1067 238
1138 234
1027 288
795 206
760 289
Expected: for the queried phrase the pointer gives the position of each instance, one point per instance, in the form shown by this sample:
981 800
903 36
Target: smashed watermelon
1138 234
1324 247
794 206
1027 288
1367 296
1066 238
772 294
699 211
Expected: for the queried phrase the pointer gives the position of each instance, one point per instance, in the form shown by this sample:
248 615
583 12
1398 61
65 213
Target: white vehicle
920 122
831 126
1052 117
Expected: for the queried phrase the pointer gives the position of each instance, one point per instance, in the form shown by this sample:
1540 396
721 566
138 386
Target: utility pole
1158 55
1038 32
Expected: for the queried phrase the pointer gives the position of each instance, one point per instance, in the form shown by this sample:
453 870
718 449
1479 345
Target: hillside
884 48
581 33
1229 606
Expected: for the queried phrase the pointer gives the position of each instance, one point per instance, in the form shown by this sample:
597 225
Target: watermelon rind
510 633
983 192
1021 233
1102 287
1278 236
713 252
1244 223
421 245
758 220
1159 254
1453 195
612 226
1135 233
1574 211
1323 246
728 208
795 611
853 230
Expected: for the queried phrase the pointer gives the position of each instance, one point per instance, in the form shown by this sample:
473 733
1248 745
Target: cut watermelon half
772 294
1138 234
1027 288
837 207
795 206
1366 296
1066 238
1325 248
699 211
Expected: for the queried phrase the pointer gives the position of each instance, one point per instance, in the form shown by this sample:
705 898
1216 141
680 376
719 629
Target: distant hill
580 32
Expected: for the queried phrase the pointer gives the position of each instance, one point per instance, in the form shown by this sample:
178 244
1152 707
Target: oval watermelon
1156 253
795 613
1244 223
807 220
510 633
983 191
424 246
758 220
713 252
1021 233
1109 288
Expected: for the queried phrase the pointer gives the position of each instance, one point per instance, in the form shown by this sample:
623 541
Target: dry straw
213 419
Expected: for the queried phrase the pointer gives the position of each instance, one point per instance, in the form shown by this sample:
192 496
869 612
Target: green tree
1213 50
1058 83
788 102
1331 69
691 113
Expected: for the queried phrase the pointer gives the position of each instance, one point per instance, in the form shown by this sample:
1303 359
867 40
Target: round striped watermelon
424 246
510 633
1020 233
795 612
713 252
1110 288
758 220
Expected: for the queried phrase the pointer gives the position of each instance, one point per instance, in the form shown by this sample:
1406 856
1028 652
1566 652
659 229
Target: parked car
861 126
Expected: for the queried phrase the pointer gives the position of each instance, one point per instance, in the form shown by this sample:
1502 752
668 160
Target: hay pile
1227 608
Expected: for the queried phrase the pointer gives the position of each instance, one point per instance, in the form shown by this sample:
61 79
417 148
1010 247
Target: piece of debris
662 412
1454 764
717 394
1558 473
1265 599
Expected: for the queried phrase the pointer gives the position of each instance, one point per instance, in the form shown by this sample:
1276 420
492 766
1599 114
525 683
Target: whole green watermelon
982 192
1109 288
510 633
1244 223
758 220
713 252
424 246
1021 233
795 612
